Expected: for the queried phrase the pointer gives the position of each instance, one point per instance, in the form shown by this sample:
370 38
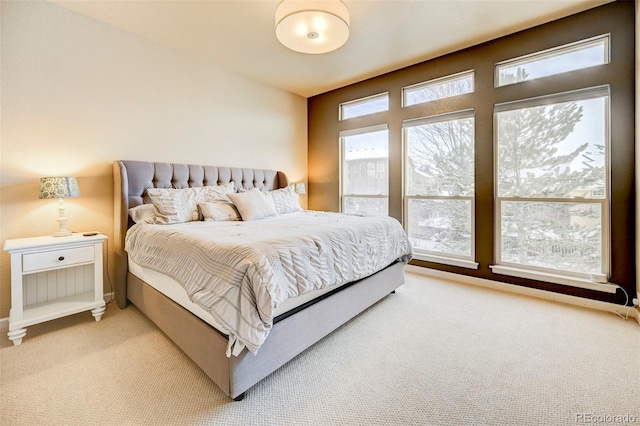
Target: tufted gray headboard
132 178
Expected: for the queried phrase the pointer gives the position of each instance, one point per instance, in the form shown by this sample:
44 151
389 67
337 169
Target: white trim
463 263
603 91
604 39
542 294
574 95
4 322
635 313
553 278
406 198
440 118
360 101
109 297
362 130
365 196
451 78
341 169
566 47
620 310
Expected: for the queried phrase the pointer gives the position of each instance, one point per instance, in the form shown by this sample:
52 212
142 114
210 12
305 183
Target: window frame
547 53
428 255
360 101
353 132
436 82
570 278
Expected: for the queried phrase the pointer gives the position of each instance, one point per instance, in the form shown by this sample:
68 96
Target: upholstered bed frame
205 345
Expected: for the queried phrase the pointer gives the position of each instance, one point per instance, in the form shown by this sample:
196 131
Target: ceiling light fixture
312 26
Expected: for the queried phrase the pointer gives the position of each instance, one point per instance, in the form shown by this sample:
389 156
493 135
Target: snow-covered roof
367 153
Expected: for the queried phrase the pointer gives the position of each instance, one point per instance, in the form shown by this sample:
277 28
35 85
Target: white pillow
181 205
144 213
286 200
215 193
253 204
218 211
174 205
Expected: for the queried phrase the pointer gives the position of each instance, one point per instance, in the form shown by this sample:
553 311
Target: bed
293 329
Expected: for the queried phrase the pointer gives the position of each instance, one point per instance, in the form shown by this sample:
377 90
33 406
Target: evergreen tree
533 163
441 164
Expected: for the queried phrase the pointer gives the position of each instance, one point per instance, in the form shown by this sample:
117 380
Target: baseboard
4 322
624 311
109 297
627 311
635 313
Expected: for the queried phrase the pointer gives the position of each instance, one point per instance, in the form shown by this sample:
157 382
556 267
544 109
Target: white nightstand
52 277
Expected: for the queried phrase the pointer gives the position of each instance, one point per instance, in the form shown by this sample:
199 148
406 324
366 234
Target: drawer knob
61 258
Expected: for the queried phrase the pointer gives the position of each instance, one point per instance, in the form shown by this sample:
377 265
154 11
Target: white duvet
240 272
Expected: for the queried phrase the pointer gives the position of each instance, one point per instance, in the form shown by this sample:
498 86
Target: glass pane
365 164
440 158
441 226
553 151
366 206
562 236
364 106
557 61
438 89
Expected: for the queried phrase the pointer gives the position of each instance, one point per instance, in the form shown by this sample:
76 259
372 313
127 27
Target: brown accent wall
615 18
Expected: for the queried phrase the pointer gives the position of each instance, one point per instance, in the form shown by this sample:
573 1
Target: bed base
202 343
206 346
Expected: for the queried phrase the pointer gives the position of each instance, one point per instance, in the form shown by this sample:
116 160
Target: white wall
78 94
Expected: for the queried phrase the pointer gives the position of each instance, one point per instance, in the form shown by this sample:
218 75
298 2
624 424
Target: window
439 187
570 57
552 184
364 106
445 87
364 178
587 205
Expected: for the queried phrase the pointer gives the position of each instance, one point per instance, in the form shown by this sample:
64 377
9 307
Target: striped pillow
285 200
181 205
173 205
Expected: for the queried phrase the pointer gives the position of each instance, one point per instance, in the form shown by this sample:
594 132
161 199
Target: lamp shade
312 26
59 187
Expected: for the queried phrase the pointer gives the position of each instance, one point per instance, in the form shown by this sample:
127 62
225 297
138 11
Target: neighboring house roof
367 154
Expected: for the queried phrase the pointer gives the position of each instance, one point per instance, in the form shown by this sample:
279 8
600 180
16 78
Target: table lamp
59 187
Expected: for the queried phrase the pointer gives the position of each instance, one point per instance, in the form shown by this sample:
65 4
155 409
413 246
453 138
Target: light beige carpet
434 353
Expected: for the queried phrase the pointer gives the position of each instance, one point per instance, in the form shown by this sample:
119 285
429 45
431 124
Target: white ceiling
385 34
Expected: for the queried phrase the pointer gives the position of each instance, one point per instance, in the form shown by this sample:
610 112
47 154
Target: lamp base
62 220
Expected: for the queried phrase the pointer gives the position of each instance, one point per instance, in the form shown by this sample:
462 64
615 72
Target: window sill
452 261
554 278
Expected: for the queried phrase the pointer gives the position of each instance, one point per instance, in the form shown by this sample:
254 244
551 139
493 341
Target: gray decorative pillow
285 200
218 211
253 204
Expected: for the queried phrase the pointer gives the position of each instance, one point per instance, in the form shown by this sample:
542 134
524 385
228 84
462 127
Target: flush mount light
312 26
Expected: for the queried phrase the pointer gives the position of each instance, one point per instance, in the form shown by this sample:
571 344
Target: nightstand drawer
57 258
